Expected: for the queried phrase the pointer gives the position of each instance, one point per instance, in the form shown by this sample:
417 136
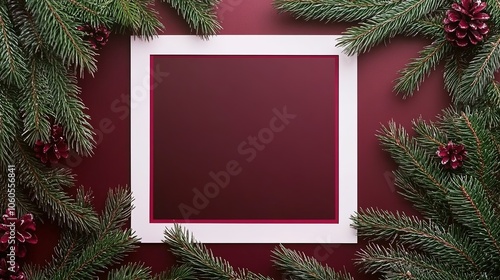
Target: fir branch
453 72
92 12
134 271
117 210
8 127
45 188
70 110
61 34
443 243
34 272
428 27
335 10
301 267
13 67
419 68
480 72
137 16
29 36
474 210
362 38
421 200
494 10
35 105
483 158
414 160
399 261
430 136
183 272
66 251
98 255
199 14
204 263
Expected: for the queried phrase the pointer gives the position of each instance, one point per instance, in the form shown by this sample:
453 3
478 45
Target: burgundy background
107 97
209 105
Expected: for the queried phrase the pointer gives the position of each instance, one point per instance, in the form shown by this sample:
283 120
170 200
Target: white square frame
244 45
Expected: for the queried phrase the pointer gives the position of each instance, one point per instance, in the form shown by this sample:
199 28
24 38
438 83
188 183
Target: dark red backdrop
107 97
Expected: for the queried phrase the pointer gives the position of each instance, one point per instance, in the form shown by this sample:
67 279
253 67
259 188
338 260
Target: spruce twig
300 266
199 14
201 259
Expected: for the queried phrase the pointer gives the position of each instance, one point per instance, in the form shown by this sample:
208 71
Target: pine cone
9 272
97 37
465 23
452 155
56 149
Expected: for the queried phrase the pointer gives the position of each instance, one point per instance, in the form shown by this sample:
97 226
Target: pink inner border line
245 221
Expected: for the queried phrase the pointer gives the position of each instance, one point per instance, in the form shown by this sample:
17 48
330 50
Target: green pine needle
382 27
134 271
204 264
13 65
416 71
335 10
480 72
301 267
199 14
183 272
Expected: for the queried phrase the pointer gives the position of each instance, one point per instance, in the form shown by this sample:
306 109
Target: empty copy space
273 116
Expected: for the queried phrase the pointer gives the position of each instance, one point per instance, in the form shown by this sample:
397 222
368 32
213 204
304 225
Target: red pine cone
97 37
55 150
452 155
465 23
15 272
25 229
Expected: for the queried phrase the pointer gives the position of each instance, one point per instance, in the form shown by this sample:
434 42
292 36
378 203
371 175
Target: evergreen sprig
199 14
299 266
204 264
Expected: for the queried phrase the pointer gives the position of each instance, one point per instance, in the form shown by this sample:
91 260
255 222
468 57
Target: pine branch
203 262
362 38
34 272
137 16
92 12
13 67
82 256
183 272
61 34
29 36
300 266
443 243
453 73
199 14
480 71
70 110
400 263
8 127
483 158
474 210
117 210
45 189
494 10
430 27
417 163
335 10
98 255
419 68
35 105
134 271
421 200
